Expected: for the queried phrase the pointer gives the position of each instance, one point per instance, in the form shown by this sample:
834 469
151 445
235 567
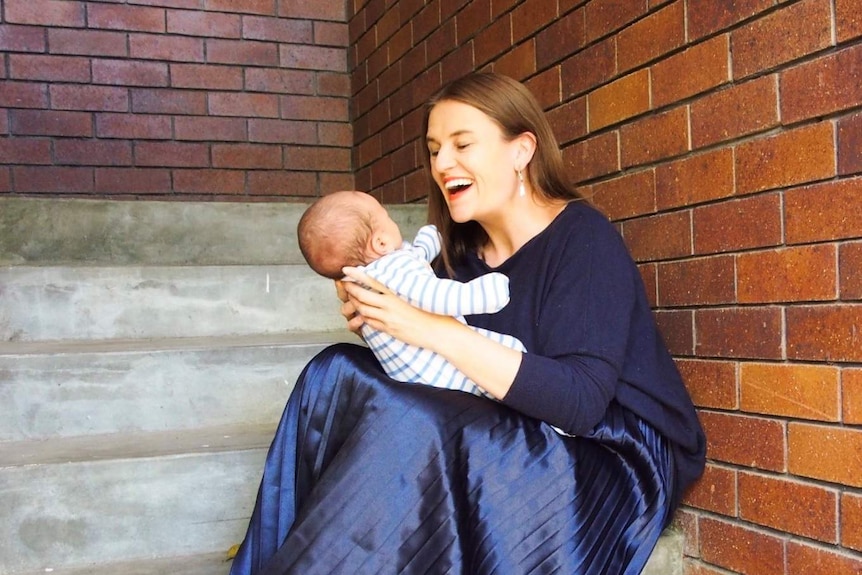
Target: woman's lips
457 186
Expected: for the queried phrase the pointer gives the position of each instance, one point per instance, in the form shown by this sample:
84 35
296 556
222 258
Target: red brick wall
186 99
725 138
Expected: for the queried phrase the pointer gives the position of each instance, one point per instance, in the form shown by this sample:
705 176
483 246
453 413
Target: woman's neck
511 232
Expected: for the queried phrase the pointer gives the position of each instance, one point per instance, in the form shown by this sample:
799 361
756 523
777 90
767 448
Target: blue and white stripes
408 273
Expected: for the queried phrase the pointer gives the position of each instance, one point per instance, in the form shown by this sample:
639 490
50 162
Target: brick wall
725 138
184 99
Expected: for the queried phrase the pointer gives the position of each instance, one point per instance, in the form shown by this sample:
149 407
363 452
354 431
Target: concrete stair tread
667 557
54 231
69 389
131 302
205 564
121 345
661 562
149 444
72 515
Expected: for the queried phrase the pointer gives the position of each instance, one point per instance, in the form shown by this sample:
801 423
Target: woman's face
471 161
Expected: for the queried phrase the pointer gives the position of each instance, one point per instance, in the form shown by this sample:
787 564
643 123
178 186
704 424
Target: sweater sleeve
582 332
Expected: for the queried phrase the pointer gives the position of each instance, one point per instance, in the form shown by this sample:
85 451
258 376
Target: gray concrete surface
667 557
146 351
35 231
92 390
203 564
69 303
69 514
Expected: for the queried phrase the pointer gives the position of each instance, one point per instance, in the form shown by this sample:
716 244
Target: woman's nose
442 160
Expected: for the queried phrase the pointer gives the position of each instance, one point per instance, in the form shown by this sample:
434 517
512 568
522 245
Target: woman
367 475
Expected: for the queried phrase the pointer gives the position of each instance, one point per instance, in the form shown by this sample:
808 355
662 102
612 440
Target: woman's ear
525 147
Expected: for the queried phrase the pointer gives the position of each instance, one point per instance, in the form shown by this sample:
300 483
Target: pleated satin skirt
367 475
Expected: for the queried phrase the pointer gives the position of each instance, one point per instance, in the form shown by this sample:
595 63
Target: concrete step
134 500
52 231
77 303
665 560
667 557
136 445
152 508
58 390
206 564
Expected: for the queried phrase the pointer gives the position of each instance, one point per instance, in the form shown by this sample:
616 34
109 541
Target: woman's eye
462 146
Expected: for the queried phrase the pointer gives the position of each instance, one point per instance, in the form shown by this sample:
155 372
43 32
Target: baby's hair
334 233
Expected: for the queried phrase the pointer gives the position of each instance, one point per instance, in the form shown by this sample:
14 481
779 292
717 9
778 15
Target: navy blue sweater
579 306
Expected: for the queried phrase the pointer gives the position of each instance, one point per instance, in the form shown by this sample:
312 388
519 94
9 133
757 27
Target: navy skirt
367 475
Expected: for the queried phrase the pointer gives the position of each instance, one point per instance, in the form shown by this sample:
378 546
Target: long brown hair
514 108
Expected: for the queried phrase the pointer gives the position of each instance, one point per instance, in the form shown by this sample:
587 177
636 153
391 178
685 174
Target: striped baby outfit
408 273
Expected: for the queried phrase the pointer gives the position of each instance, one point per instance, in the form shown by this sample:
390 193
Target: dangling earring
522 191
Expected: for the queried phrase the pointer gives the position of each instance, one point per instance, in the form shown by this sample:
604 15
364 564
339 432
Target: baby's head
345 229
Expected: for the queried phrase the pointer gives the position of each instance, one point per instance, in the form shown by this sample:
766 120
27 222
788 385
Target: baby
352 229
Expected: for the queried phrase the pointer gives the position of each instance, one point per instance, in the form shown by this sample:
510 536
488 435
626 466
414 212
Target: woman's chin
459 216
458 207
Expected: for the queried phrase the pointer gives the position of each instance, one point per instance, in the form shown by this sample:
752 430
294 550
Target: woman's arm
579 318
572 305
575 323
492 366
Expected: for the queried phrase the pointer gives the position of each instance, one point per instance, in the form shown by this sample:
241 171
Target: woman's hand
348 309
374 304
489 364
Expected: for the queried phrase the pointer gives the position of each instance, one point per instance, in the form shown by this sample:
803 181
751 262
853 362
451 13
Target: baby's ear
379 245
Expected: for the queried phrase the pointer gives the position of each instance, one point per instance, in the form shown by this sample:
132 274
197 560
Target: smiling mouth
456 186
